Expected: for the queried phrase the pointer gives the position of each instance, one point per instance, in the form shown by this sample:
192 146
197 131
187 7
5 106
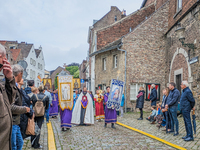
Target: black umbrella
194 121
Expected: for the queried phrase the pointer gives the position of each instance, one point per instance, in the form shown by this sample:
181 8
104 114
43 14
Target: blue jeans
47 114
173 118
16 139
188 124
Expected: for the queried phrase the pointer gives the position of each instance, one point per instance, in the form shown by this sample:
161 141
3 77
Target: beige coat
7 95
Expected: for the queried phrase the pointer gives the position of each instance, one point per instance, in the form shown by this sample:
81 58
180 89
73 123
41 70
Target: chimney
40 48
123 13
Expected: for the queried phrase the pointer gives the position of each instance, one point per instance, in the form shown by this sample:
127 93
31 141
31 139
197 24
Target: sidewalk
43 139
130 119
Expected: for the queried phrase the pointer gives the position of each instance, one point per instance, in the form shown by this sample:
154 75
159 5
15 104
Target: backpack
39 107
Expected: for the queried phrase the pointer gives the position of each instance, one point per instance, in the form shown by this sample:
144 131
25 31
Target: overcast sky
59 26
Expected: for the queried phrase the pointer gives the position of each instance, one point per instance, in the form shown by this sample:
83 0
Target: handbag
30 129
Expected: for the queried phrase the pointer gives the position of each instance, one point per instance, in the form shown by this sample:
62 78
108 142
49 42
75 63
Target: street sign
82 81
194 60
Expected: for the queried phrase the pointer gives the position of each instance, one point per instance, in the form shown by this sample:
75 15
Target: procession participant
110 114
53 111
83 110
98 98
75 97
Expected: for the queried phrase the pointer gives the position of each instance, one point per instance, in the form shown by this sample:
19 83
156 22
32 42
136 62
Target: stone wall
191 72
117 30
145 48
174 16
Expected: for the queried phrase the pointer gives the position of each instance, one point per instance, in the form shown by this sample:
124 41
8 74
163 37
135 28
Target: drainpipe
125 73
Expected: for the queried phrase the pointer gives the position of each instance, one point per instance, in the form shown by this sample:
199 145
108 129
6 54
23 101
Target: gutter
125 73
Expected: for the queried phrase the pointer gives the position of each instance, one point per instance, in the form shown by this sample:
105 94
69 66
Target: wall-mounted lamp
181 35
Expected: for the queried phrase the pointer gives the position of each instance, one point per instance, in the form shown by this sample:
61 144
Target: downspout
125 73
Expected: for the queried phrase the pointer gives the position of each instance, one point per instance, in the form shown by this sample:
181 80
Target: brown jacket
7 95
17 109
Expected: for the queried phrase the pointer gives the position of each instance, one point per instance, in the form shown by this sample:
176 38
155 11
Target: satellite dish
23 63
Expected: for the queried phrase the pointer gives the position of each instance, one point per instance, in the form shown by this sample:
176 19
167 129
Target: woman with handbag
40 104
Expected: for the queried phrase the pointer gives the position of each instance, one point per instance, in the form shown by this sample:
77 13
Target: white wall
33 69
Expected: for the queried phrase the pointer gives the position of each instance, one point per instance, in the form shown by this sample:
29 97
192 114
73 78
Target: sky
59 26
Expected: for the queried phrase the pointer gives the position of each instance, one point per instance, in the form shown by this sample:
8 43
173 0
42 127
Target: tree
72 69
56 82
76 74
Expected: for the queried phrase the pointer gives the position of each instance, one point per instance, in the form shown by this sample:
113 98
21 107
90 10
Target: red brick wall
186 5
149 2
115 31
178 63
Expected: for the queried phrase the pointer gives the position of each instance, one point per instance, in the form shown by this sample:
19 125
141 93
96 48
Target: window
12 47
104 87
179 5
134 89
104 63
115 18
114 61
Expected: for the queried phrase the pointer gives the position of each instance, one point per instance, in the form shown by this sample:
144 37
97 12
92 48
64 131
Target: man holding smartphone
7 96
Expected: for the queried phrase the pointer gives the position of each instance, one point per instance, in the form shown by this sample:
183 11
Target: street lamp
181 35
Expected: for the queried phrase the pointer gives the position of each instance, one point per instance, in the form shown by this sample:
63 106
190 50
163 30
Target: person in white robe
83 111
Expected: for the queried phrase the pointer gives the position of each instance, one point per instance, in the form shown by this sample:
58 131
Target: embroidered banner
65 91
115 96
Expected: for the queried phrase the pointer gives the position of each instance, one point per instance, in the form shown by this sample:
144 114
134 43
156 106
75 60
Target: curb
51 140
152 136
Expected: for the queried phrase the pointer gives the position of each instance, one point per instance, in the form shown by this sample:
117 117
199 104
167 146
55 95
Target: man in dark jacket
187 103
7 96
153 96
39 120
17 109
28 88
172 102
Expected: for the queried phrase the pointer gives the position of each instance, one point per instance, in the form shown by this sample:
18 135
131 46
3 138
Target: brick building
154 52
111 17
82 72
182 62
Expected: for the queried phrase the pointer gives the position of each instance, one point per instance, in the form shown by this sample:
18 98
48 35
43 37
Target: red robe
99 106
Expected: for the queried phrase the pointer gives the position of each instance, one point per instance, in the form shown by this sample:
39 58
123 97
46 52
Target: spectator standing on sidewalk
140 101
172 103
153 95
187 103
7 96
122 106
40 118
48 94
17 109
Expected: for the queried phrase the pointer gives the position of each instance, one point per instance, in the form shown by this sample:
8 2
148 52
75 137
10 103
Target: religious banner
148 91
47 83
115 96
65 91
76 83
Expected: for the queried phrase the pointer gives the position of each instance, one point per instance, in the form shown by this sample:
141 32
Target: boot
140 118
63 129
113 126
105 125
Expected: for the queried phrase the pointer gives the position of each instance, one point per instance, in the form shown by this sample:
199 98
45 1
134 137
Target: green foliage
76 74
72 69
56 82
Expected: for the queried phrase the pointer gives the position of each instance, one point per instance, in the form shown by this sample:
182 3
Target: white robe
89 115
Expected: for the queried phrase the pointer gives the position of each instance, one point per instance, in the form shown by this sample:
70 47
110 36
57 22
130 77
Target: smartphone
1 65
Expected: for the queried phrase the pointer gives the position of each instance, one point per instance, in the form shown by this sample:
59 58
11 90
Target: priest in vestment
83 110
110 113
53 111
99 109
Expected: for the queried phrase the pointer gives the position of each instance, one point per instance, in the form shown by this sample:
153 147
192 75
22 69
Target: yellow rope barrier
152 136
51 140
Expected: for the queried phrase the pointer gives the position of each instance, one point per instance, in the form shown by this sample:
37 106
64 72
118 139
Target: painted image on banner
65 91
115 93
47 83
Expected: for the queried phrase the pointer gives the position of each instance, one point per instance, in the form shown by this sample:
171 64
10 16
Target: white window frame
179 5
134 89
115 57
104 63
